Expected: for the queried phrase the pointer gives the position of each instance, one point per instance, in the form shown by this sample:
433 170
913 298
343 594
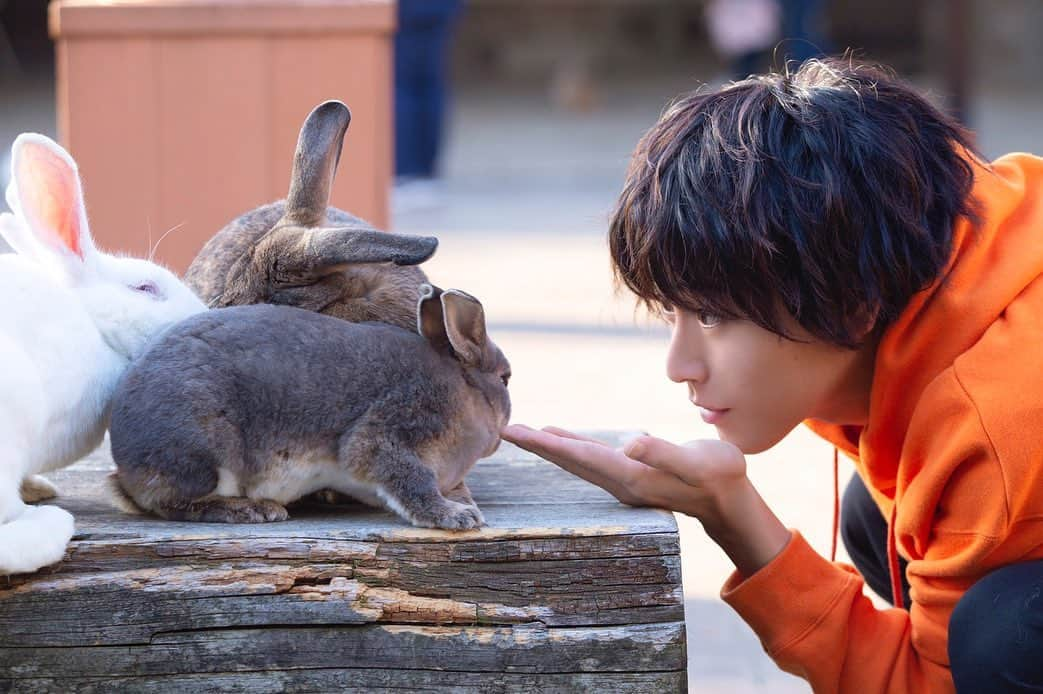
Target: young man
828 248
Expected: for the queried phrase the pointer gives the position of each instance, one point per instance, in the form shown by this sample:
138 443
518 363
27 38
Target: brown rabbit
236 412
300 252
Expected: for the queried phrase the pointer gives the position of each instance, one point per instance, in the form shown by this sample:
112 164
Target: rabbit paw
35 539
36 488
236 509
452 516
266 510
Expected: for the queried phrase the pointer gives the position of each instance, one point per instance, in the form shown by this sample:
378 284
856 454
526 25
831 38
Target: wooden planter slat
185 113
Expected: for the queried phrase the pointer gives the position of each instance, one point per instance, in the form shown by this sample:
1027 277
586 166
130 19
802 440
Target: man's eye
708 319
505 378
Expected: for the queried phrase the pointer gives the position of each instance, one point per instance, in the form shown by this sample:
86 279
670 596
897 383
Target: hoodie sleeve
962 456
956 521
814 622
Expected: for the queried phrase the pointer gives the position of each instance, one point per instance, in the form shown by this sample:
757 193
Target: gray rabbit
236 412
300 252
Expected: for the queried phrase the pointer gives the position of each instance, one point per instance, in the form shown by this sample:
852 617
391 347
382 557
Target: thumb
695 463
660 454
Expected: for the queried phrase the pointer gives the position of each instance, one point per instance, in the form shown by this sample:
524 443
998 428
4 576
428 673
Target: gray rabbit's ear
429 319
315 163
464 325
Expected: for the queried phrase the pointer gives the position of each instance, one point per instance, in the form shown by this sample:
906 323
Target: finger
592 475
586 453
516 432
519 431
533 440
565 433
589 460
663 455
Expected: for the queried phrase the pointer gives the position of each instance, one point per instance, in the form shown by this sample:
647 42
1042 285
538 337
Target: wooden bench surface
566 589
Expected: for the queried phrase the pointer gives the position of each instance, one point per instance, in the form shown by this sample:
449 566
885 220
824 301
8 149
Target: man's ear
863 322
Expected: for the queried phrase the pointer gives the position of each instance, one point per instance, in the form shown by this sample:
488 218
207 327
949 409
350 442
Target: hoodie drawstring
893 568
836 503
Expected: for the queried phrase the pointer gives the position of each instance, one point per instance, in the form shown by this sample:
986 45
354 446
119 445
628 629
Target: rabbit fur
301 252
71 321
236 412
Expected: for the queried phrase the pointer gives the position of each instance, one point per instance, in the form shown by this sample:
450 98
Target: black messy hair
830 192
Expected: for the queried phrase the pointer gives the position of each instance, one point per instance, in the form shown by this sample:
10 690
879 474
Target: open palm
647 472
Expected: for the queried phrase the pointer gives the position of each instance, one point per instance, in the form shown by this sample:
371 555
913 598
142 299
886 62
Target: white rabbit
71 320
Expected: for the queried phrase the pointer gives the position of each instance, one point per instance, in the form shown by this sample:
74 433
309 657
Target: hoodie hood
952 453
990 265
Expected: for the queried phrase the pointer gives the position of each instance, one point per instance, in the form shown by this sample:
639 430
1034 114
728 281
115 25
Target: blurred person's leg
409 58
431 104
421 84
803 31
752 63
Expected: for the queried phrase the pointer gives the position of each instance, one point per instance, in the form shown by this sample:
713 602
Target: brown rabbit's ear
315 163
429 319
464 325
307 255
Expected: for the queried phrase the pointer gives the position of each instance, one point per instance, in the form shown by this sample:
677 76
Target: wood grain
565 590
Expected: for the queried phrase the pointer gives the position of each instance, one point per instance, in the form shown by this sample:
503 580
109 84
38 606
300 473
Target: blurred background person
743 32
425 28
754 35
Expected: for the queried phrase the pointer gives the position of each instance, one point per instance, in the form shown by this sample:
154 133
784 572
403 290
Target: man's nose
684 360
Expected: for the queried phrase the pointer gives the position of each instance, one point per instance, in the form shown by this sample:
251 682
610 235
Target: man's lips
711 415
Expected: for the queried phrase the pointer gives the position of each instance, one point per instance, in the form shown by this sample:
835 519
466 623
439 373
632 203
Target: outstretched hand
648 471
704 479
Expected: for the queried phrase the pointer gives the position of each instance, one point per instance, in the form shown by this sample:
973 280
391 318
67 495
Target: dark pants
421 69
802 30
996 629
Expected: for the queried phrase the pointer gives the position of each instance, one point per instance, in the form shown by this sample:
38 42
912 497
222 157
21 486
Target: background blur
544 101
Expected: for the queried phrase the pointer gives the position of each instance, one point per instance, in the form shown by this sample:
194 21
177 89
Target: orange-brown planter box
186 112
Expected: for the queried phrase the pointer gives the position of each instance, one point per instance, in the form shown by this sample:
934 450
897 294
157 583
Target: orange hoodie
952 453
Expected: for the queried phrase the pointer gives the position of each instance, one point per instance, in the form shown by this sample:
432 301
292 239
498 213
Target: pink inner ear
49 194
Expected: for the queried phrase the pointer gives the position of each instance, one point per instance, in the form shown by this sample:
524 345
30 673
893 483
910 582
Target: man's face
755 386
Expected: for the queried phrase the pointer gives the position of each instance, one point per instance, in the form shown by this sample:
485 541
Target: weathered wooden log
367 680
565 590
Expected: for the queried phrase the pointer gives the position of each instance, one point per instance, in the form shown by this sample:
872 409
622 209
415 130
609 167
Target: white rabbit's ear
45 192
